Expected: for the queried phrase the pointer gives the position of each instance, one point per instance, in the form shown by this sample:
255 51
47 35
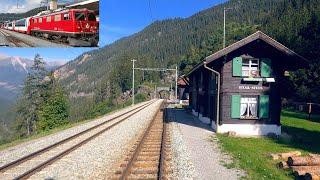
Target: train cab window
66 16
57 17
79 16
35 21
40 20
49 19
91 17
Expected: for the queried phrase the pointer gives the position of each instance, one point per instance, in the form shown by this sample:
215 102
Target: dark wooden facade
203 83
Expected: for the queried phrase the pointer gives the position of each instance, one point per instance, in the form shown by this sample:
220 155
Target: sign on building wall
250 87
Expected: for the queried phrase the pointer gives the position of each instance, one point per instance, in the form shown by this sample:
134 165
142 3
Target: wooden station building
245 79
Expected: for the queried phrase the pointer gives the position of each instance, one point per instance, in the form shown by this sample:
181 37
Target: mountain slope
13 71
184 42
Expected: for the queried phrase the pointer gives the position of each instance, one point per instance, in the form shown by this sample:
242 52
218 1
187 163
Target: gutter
218 93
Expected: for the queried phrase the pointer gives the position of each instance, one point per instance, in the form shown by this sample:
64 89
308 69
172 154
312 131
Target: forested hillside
185 42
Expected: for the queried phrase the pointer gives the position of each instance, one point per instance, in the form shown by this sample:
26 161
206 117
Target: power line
150 10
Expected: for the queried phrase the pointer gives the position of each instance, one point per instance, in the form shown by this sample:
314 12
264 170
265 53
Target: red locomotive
79 27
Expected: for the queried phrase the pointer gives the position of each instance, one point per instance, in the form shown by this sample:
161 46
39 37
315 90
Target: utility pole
176 83
224 25
133 60
153 69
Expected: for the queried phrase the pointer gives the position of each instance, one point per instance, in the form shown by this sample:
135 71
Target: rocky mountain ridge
13 71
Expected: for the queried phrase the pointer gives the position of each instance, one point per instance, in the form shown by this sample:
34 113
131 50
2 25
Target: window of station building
91 17
49 19
66 16
250 68
57 17
249 108
79 16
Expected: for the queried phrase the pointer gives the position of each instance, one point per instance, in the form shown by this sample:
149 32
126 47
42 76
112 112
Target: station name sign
250 87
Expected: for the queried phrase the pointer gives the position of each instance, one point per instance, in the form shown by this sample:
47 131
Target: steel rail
126 172
161 172
41 166
14 40
43 150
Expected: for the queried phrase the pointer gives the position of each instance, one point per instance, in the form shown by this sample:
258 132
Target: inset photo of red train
50 23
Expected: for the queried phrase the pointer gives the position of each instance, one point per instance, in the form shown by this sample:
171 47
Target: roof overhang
256 36
89 4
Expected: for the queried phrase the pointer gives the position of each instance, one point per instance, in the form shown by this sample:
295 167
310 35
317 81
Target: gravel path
196 152
34 41
3 40
16 152
99 157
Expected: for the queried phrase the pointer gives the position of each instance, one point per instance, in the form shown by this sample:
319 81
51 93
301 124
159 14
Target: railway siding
23 149
95 159
16 39
86 156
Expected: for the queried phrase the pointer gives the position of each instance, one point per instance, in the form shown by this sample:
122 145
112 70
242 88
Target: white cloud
19 6
3 56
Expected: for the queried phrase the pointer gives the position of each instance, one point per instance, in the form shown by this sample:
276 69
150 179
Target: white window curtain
253 110
248 107
243 110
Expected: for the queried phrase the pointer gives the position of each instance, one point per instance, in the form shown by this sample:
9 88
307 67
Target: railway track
26 166
150 156
15 42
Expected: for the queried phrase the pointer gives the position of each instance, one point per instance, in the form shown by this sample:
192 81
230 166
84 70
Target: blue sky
126 17
117 19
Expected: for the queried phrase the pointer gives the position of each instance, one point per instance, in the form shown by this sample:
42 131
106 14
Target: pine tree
34 96
55 111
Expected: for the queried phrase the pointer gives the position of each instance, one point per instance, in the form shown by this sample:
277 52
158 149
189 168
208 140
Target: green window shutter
237 66
265 67
264 106
235 106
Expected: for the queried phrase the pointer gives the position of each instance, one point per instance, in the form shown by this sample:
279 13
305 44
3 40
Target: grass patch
250 154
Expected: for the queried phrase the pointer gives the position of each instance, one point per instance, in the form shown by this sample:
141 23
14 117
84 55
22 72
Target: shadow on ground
293 135
299 115
181 116
301 138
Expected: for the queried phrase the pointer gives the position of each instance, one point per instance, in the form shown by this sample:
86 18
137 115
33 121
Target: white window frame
248 100
251 68
66 16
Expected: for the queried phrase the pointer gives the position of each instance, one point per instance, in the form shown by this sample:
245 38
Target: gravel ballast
13 153
34 41
99 158
196 152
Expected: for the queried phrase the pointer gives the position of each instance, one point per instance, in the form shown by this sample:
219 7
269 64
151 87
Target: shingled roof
249 39
256 36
